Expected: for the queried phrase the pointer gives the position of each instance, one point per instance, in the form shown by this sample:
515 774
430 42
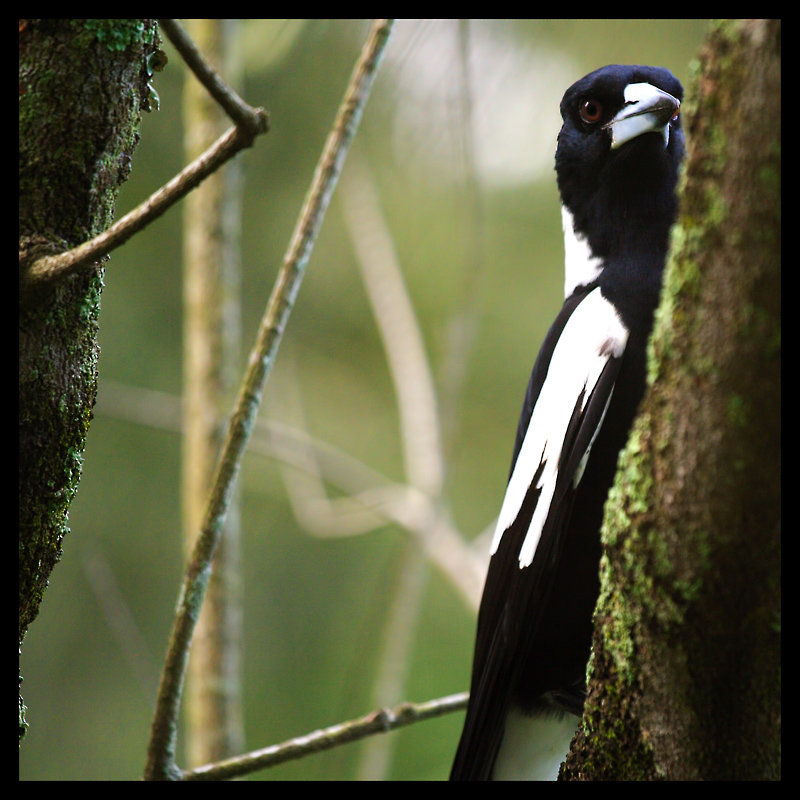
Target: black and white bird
617 161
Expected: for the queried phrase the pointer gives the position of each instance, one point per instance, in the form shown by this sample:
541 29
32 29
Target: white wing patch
593 334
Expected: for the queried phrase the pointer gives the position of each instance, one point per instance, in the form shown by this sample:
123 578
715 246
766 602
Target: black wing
587 341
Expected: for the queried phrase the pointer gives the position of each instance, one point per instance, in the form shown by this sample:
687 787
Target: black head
621 145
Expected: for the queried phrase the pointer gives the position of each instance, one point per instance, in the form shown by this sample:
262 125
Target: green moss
116 34
654 592
737 411
608 726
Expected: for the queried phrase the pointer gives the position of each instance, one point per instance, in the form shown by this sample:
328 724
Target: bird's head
619 118
619 153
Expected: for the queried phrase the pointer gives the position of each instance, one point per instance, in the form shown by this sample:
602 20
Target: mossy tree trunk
686 661
82 86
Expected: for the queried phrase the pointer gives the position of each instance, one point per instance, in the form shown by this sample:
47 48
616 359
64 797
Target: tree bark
685 679
82 85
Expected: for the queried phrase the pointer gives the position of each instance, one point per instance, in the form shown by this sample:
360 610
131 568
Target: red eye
591 111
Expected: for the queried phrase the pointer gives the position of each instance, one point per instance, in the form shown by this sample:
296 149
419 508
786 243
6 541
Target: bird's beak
646 109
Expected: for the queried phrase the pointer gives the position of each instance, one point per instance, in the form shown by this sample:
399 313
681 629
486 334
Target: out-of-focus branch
161 751
372 498
397 323
420 432
368 508
214 714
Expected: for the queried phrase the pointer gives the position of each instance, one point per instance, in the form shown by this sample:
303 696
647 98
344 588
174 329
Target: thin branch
161 751
414 388
463 565
381 721
373 499
399 329
250 122
462 327
116 610
395 654
243 115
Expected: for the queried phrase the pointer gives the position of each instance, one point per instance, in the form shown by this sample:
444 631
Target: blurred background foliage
459 137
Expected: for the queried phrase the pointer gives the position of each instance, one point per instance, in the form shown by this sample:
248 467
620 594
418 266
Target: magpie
617 161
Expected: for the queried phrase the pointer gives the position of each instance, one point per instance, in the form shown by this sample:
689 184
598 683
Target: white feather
593 334
533 748
580 266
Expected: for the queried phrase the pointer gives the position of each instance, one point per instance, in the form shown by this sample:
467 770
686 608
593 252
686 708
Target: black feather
535 620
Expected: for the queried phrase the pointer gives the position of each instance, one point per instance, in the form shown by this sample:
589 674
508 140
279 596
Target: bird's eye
591 111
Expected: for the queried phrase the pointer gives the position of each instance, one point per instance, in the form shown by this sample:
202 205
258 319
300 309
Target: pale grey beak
646 109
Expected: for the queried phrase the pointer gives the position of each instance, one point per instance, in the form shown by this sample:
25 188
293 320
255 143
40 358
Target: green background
482 242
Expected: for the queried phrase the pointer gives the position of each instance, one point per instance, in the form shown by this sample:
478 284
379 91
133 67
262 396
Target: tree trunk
82 86
686 662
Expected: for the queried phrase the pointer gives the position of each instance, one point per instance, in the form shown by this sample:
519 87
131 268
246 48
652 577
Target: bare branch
373 499
381 721
161 751
250 122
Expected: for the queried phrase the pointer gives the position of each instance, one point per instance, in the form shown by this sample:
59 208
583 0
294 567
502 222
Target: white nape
533 748
580 266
